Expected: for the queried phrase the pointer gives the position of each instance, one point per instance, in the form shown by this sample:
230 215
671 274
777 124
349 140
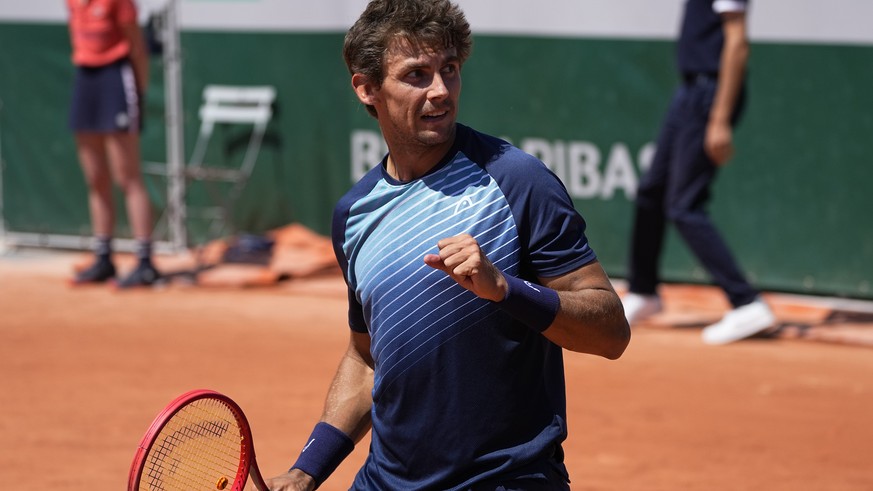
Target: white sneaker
638 307
739 323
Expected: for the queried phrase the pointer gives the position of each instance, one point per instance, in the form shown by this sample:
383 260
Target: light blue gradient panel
413 309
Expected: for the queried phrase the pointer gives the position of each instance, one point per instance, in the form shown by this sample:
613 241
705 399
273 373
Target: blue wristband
532 304
325 449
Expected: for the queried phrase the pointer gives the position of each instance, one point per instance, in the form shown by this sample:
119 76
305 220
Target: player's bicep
359 348
588 277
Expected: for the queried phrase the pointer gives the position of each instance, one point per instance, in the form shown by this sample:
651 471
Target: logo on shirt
464 204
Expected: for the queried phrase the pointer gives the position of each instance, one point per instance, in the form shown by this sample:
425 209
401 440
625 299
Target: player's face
417 102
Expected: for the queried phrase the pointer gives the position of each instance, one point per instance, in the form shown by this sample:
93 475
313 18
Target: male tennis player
468 272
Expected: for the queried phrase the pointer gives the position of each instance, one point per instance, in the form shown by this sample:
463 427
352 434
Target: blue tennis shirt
463 393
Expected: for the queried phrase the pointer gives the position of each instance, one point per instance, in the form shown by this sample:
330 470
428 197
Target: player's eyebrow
419 62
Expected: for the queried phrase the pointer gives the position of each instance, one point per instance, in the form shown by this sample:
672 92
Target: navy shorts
105 99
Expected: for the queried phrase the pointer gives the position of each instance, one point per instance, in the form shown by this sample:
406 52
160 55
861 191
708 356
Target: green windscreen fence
793 204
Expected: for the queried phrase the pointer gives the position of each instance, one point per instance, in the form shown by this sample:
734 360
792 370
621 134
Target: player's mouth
434 116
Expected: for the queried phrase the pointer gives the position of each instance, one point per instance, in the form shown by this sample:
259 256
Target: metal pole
176 208
2 165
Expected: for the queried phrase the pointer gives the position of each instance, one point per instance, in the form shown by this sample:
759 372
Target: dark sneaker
144 275
99 272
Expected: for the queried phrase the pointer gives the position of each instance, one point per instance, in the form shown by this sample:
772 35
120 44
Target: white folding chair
225 105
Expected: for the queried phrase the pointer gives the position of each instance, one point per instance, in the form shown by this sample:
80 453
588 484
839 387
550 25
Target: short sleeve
727 6
125 12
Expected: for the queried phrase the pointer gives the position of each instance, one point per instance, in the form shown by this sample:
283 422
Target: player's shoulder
359 189
496 154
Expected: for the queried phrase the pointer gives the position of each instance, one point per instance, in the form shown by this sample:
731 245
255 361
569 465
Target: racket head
201 440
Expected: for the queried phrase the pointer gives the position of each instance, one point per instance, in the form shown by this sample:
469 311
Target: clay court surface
84 372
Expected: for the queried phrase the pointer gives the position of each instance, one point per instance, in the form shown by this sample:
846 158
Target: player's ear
365 90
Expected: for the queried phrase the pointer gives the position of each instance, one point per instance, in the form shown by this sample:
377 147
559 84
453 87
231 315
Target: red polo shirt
95 30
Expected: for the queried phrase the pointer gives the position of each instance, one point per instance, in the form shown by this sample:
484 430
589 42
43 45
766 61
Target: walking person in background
468 272
105 116
696 139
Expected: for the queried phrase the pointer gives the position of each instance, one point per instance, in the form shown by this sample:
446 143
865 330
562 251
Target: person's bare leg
123 151
95 167
124 157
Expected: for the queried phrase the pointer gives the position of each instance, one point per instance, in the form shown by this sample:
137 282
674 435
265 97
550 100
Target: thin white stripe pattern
442 180
443 281
412 309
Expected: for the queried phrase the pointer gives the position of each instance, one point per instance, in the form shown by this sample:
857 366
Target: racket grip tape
325 449
530 303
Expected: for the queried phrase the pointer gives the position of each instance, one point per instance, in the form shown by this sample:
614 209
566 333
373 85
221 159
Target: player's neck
407 164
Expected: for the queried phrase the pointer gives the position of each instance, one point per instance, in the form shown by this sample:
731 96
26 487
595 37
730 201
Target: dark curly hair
422 22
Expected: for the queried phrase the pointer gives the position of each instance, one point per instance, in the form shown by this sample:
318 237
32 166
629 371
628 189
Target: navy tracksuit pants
676 189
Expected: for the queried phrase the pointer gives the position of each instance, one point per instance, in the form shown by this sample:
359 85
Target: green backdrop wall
793 203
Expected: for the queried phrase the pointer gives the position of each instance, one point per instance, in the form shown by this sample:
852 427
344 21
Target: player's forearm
590 318
590 321
345 420
732 69
350 399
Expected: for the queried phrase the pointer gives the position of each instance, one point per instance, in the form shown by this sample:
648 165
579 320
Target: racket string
201 444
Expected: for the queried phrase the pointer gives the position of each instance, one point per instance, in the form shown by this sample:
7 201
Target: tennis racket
200 441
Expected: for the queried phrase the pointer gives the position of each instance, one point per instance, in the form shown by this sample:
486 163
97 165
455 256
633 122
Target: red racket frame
248 466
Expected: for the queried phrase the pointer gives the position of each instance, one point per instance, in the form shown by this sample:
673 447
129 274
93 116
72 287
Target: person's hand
462 259
718 143
293 480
